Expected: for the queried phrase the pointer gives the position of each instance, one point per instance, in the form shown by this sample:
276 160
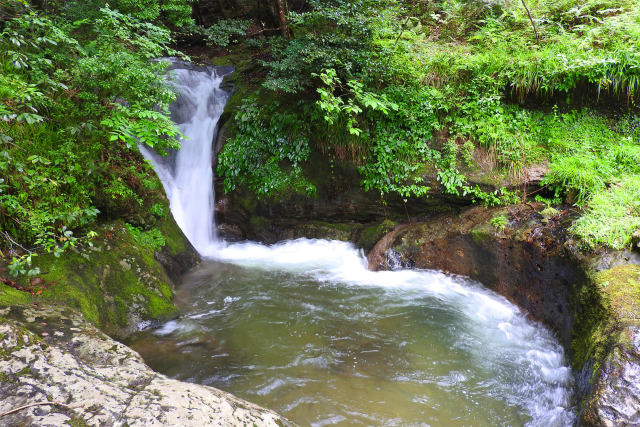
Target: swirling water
303 327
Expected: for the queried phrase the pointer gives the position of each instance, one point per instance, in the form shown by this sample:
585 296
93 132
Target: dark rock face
340 207
178 255
592 302
527 263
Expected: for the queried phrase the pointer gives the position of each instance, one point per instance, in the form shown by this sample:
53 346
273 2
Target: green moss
159 307
175 240
247 201
621 289
371 235
10 296
114 284
76 422
24 337
259 224
591 341
6 379
482 233
324 230
603 307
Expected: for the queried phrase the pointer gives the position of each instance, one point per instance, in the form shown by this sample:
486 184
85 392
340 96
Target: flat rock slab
54 355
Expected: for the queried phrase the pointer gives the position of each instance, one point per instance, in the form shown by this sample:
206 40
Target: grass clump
500 222
612 216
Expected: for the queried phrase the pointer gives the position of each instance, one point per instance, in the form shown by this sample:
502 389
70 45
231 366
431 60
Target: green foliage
549 212
176 13
500 222
399 143
349 106
225 31
588 153
612 216
76 98
411 89
153 238
158 210
337 35
267 151
411 92
23 265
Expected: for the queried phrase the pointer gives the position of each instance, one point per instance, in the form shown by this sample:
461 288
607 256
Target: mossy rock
621 289
117 283
272 231
608 305
369 236
324 230
608 311
10 296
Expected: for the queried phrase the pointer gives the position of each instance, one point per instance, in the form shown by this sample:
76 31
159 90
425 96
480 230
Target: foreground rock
591 301
54 355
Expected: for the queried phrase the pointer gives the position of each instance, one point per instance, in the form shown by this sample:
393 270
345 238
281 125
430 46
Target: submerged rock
54 355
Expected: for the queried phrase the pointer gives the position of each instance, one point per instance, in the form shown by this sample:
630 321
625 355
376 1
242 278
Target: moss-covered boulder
117 283
607 345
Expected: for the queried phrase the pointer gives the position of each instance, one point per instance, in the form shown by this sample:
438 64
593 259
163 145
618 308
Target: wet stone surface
54 355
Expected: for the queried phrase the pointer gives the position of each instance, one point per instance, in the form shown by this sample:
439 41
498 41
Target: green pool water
323 341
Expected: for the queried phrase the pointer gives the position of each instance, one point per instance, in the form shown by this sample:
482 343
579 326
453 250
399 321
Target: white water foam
188 180
187 175
544 390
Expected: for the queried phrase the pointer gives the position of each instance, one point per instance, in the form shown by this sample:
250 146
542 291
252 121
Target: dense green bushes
466 80
409 91
77 95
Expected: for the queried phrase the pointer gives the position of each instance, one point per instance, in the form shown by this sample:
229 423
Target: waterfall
525 362
187 173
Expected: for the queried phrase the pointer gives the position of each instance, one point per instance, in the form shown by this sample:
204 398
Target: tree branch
8 237
34 404
533 24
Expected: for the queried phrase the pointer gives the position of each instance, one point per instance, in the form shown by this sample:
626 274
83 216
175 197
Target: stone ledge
54 354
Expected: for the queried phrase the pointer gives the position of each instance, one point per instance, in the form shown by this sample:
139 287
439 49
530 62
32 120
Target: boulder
72 373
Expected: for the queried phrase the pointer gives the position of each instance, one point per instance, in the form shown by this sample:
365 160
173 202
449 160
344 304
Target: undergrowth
412 91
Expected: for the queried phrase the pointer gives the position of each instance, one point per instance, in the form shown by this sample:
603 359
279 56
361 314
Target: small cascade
463 345
187 174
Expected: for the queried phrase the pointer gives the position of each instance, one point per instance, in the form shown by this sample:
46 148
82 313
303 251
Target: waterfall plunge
501 333
187 174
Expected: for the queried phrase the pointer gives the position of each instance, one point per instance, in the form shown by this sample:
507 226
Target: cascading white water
526 356
186 174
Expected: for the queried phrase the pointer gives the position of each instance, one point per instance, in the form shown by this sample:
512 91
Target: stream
304 328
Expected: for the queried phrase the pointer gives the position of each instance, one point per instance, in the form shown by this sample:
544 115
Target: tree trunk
282 14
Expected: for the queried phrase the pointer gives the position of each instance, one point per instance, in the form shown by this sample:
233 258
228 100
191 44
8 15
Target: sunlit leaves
267 151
